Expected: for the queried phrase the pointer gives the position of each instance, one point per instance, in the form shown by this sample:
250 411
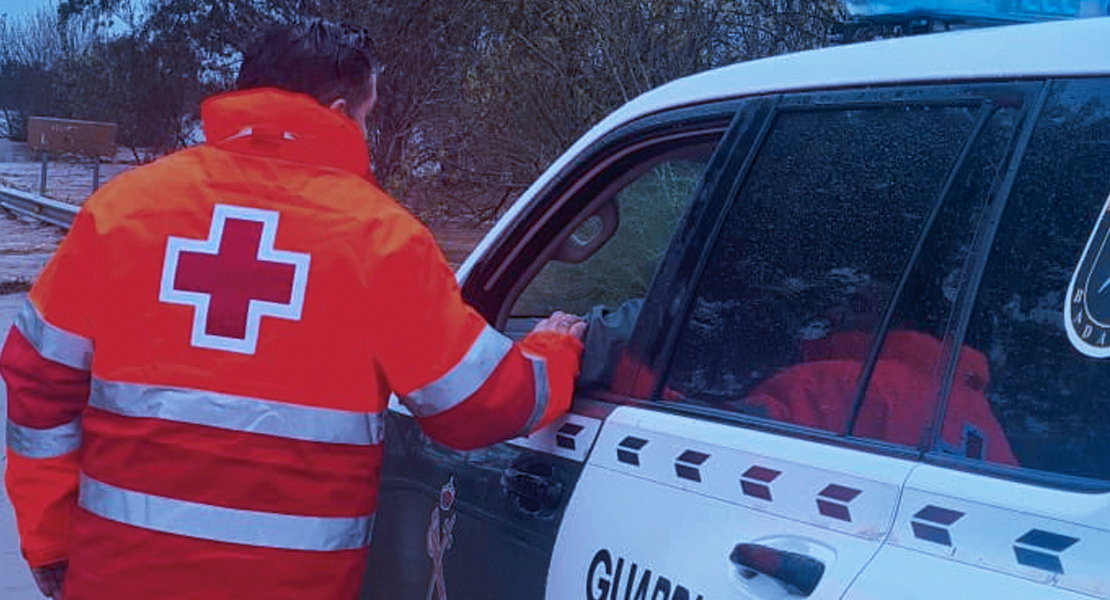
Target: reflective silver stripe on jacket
539 373
221 524
44 443
52 343
487 351
238 413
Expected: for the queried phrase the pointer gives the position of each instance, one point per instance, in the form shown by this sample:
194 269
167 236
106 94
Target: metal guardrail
37 207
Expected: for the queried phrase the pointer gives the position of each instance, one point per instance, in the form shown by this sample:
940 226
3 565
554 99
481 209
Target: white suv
850 338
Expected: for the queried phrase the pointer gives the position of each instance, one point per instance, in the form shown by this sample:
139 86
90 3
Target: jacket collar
279 124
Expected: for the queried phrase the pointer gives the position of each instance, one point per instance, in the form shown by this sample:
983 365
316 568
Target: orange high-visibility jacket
197 383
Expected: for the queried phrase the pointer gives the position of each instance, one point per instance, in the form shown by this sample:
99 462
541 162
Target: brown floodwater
25 246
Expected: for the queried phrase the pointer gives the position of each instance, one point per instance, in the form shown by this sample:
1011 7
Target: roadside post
67 136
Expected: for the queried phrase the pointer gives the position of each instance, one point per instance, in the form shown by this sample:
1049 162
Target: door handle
532 485
798 573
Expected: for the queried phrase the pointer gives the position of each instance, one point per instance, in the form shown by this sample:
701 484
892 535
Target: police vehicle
849 338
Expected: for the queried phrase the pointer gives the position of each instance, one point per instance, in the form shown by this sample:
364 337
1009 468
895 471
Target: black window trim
598 186
753 132
665 307
950 355
751 121
965 305
721 203
977 260
505 269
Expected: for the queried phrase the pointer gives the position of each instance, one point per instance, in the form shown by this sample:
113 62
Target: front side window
647 209
807 264
609 237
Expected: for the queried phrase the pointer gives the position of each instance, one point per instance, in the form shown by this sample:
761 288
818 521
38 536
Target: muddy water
69 179
24 247
14 152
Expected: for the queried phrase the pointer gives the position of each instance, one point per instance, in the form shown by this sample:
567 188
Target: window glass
649 208
1050 393
808 257
908 376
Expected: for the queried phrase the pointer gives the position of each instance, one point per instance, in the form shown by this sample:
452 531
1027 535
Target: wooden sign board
66 136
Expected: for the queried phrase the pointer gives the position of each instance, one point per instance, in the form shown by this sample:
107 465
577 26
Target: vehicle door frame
683 267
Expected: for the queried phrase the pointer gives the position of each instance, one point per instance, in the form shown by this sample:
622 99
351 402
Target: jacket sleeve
467 385
45 365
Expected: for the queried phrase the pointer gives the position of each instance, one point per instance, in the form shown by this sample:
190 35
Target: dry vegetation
478 97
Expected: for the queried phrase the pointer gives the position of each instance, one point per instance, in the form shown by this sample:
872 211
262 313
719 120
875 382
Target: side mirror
590 235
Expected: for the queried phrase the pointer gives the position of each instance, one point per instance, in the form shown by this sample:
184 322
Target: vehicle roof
1058 48
1049 49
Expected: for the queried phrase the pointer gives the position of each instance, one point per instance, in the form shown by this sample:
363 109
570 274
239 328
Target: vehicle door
1021 509
771 400
482 524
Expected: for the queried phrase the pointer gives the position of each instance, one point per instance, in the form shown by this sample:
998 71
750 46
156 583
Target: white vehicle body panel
984 543
909 575
684 530
990 533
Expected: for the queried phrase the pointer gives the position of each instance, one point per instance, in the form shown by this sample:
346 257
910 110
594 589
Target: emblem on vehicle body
439 539
1087 307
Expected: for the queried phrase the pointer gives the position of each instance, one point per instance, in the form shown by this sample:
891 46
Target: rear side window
1051 390
808 259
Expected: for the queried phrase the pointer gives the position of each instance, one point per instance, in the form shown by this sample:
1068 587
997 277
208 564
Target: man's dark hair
315 57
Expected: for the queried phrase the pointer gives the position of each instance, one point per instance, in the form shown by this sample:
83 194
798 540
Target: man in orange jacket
198 380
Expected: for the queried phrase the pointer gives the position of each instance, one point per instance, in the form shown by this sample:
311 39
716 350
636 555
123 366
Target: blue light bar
1005 10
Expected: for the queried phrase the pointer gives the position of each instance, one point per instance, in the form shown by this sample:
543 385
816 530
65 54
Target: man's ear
340 105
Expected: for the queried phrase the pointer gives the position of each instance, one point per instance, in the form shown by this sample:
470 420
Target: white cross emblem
234 278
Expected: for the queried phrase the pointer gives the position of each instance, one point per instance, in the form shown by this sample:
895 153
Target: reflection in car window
910 370
807 261
1053 400
649 209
